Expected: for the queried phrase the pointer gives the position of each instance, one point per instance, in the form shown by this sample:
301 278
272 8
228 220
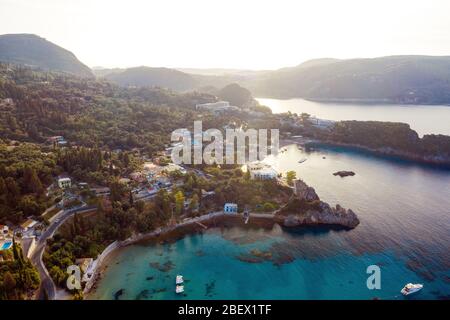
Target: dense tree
179 202
290 177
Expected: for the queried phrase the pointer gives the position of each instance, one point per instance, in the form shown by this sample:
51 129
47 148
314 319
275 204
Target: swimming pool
6 245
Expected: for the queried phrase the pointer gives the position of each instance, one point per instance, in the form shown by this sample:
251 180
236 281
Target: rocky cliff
307 209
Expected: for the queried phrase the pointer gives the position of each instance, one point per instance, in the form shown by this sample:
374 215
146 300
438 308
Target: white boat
302 160
411 288
179 289
179 279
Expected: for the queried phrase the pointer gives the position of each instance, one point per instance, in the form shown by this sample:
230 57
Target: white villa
217 107
261 171
64 183
230 208
321 123
59 140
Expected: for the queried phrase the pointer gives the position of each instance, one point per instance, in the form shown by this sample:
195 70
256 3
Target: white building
230 208
217 107
101 191
213 105
28 225
264 174
321 123
64 183
261 171
171 167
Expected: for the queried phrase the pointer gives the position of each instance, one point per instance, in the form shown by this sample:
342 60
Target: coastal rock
303 191
316 212
344 173
331 216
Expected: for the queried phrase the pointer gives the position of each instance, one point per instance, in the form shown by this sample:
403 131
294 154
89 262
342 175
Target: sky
244 34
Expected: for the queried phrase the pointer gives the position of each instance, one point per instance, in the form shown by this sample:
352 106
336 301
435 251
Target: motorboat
411 288
302 160
179 279
179 289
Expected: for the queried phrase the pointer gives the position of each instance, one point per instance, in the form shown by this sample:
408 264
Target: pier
201 224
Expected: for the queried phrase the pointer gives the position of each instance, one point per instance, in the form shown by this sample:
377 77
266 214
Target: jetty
201 224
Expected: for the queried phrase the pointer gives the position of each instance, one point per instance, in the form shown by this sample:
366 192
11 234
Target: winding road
47 284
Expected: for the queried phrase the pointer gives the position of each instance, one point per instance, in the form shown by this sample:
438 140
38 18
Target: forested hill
395 79
36 105
159 77
392 79
37 52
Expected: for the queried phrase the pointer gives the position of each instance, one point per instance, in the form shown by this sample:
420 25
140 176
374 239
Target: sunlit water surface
404 210
424 119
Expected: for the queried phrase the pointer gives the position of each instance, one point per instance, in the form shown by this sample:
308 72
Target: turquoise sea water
404 210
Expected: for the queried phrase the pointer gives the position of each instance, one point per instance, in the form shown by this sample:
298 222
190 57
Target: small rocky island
343 174
306 208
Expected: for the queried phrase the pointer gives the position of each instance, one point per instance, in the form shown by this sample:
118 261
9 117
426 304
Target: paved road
47 283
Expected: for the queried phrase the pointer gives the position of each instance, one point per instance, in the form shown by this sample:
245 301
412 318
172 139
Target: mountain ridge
398 79
34 51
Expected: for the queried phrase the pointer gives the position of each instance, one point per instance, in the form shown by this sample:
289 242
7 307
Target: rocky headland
306 208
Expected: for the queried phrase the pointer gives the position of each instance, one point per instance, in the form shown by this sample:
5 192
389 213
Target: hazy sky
231 33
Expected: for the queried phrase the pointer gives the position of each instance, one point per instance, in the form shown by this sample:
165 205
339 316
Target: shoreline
174 233
385 153
364 101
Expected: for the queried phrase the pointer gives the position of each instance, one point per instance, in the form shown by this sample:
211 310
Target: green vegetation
231 185
290 177
296 205
148 77
25 170
390 138
236 95
18 278
92 113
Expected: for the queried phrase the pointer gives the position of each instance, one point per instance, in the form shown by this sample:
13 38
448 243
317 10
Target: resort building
207 193
55 138
230 208
101 191
27 225
261 171
216 107
58 140
171 167
64 183
83 185
321 123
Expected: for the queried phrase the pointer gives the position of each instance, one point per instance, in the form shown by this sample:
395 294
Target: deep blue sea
404 210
